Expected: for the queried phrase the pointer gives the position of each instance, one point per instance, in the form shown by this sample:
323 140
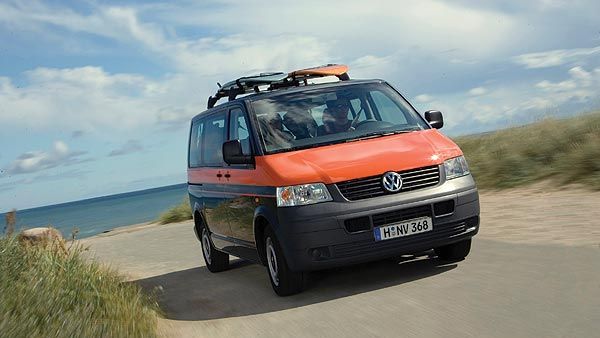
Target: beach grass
178 213
46 292
562 151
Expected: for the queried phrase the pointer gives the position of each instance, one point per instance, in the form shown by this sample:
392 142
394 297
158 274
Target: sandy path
536 215
533 272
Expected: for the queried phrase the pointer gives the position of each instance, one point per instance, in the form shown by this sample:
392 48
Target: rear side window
194 154
206 141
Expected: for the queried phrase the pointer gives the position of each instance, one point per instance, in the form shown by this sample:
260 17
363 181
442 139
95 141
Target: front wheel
216 261
455 251
284 281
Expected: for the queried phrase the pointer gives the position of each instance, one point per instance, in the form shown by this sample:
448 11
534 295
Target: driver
335 117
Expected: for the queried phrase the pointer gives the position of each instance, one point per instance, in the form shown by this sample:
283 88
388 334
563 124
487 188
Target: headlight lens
302 194
456 167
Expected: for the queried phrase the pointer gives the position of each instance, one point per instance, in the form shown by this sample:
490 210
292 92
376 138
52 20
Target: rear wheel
455 251
216 260
284 281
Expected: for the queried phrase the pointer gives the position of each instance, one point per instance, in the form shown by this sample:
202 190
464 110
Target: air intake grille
369 187
400 215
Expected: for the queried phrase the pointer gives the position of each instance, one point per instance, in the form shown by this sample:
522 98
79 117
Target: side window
194 149
238 129
356 106
212 139
317 114
387 109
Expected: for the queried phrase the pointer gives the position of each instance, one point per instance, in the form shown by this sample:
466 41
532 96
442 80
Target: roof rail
277 80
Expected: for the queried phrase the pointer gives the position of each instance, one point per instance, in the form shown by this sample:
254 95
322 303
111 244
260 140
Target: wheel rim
272 262
206 245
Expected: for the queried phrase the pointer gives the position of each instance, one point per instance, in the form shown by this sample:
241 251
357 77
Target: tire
284 281
455 251
216 261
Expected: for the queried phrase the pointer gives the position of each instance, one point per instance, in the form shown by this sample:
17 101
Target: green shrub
565 151
57 293
178 213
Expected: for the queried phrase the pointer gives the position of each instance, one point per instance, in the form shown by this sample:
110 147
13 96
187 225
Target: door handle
227 175
219 175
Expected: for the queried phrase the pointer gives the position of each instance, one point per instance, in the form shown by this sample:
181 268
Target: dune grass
53 293
178 213
565 151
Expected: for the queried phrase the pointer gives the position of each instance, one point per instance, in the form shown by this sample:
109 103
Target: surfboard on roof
326 70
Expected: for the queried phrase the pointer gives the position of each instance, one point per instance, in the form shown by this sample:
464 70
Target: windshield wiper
307 146
380 134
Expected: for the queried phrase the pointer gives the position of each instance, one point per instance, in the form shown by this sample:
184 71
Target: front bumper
316 236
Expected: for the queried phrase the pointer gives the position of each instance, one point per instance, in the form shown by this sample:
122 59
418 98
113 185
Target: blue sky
95 97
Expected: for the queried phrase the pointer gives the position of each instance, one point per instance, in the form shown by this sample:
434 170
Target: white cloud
477 91
366 66
423 98
505 105
580 80
579 74
426 25
554 58
118 23
556 86
236 52
131 146
89 98
83 98
34 161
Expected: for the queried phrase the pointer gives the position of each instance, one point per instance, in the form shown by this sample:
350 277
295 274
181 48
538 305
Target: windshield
332 115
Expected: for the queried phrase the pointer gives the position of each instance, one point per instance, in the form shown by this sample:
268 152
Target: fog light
318 254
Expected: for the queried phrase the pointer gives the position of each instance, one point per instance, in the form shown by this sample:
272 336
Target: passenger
335 118
301 124
275 136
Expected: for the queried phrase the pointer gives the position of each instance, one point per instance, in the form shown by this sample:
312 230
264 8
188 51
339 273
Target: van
301 176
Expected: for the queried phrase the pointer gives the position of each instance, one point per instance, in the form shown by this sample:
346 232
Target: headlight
302 194
456 167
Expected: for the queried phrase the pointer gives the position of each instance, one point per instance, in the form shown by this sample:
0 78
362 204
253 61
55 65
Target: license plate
404 228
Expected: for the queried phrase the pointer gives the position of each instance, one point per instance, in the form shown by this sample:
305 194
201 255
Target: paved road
501 290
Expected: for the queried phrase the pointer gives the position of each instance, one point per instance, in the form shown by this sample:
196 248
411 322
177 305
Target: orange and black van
301 176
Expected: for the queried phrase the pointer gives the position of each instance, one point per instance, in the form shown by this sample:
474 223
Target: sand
541 214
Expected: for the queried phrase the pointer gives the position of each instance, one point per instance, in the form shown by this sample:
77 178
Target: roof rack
278 80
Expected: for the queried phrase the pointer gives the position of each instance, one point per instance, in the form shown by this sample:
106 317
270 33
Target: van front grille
370 187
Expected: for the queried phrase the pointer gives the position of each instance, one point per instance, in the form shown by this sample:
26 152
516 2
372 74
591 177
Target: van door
207 175
240 191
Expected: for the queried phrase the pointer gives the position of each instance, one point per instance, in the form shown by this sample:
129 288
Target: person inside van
275 135
300 123
335 118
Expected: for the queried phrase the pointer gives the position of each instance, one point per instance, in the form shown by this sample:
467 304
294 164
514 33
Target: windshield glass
332 115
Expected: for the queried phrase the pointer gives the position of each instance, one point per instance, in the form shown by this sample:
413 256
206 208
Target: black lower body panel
346 237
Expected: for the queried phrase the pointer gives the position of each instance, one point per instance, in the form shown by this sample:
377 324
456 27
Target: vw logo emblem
392 181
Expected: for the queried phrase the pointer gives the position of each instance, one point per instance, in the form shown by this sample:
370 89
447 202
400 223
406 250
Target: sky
96 97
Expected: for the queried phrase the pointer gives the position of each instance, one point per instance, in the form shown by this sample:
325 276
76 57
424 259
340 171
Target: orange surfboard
331 69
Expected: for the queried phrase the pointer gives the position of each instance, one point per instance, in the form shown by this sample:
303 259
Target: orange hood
346 161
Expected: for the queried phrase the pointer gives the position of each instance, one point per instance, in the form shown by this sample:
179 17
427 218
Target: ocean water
97 215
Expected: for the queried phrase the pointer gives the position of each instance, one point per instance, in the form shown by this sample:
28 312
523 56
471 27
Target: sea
101 214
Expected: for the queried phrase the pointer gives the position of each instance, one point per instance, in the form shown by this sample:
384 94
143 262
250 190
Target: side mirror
232 153
435 118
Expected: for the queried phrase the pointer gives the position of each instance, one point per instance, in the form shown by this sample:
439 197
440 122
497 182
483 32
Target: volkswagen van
301 176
